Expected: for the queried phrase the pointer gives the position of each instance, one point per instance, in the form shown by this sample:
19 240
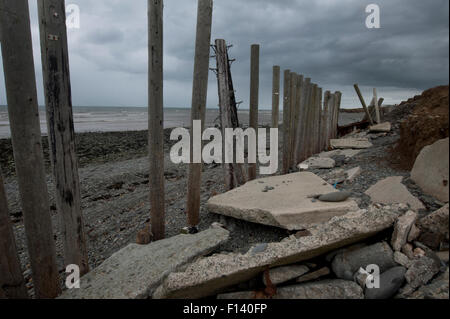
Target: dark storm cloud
324 39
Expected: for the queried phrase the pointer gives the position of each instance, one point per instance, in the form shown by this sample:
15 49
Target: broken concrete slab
402 228
437 289
326 289
280 275
354 143
381 128
421 272
317 162
392 191
288 205
435 227
348 153
212 275
430 171
136 270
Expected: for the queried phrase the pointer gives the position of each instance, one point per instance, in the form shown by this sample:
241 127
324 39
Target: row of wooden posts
309 122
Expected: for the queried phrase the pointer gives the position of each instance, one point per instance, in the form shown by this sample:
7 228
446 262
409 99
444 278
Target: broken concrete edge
212 275
94 285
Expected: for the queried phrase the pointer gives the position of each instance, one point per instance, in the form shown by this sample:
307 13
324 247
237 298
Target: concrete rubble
212 275
317 162
391 190
353 143
381 128
135 271
430 171
288 204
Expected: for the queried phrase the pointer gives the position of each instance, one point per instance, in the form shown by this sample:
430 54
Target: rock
352 174
353 143
327 289
348 153
408 250
325 271
260 248
136 270
211 275
435 228
430 171
346 264
402 259
421 272
437 289
390 191
288 206
318 162
418 252
329 257
280 275
390 282
428 252
443 256
414 233
335 197
381 128
401 230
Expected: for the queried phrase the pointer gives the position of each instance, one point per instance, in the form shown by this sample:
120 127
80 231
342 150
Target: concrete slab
287 205
352 174
391 191
348 153
381 128
212 275
353 143
317 162
136 270
430 170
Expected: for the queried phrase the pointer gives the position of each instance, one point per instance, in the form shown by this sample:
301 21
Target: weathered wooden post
312 105
377 107
12 284
318 147
198 110
337 109
363 103
292 111
275 96
302 148
23 112
325 121
297 120
254 97
156 117
61 136
331 112
286 119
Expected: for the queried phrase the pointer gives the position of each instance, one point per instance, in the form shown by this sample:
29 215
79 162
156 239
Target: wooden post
286 120
302 148
331 112
61 136
23 112
198 109
275 96
297 120
312 105
377 107
156 117
234 173
293 99
337 109
254 94
12 284
318 148
325 121
363 103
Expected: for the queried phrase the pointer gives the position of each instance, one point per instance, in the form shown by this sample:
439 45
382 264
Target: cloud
324 39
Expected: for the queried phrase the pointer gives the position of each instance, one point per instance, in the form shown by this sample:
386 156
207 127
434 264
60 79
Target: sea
117 119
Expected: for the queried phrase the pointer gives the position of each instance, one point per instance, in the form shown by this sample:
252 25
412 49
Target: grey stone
390 282
335 197
260 248
354 143
402 259
325 271
288 206
326 289
414 233
437 289
136 270
430 171
390 191
435 227
280 275
346 264
402 228
421 272
211 275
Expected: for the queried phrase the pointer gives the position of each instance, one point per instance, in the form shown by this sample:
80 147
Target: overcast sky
326 40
